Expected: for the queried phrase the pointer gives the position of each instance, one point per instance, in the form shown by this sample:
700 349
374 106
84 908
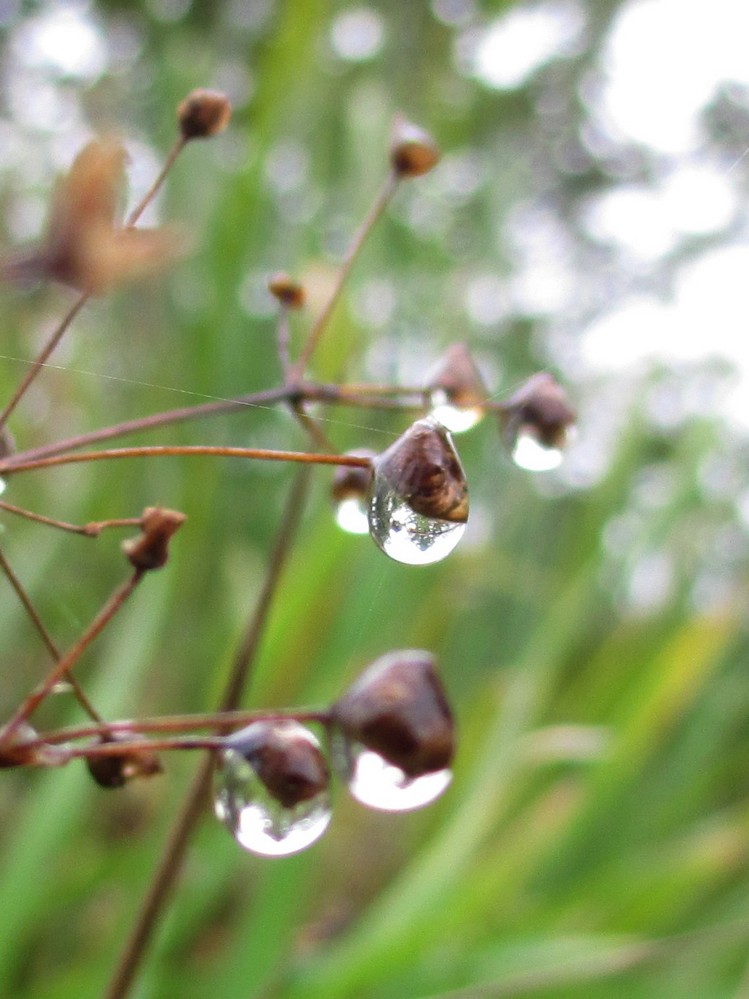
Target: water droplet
351 515
456 419
418 504
529 453
405 535
378 784
3 486
251 806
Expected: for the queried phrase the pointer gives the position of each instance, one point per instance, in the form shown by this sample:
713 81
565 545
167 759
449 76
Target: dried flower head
150 550
398 709
288 291
541 408
116 769
203 114
83 246
413 151
285 757
423 468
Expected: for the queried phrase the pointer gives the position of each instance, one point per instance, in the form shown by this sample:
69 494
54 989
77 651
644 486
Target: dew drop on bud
351 515
529 453
376 783
3 486
272 788
349 493
456 390
418 504
454 418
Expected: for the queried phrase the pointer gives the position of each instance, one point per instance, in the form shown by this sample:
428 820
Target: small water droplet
529 453
405 535
351 515
457 419
257 819
378 784
3 486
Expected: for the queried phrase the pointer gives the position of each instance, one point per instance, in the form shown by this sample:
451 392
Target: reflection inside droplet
457 419
405 535
351 515
530 454
378 784
259 822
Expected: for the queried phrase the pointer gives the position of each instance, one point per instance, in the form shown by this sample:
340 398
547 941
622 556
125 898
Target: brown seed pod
203 114
398 709
423 467
350 482
13 752
456 374
285 757
288 291
150 550
413 151
541 407
116 769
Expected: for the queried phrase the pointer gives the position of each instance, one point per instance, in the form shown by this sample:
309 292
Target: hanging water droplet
271 788
351 515
456 419
418 504
529 453
378 784
3 486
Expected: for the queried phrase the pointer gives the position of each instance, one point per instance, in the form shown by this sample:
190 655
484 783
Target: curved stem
190 450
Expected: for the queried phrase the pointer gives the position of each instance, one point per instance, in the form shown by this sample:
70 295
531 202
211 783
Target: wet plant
389 737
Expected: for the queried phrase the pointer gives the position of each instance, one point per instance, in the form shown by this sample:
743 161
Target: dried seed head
288 291
203 114
423 468
540 407
285 757
398 709
351 482
413 151
116 769
14 752
150 550
456 375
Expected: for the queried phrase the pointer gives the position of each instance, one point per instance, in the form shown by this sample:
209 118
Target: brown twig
194 804
153 190
63 665
90 530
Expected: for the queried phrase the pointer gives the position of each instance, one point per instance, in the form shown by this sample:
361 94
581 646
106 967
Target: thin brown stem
153 190
45 636
190 450
194 805
41 359
90 530
382 200
63 665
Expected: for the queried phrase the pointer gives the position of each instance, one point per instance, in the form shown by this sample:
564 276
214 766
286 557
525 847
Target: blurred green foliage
595 839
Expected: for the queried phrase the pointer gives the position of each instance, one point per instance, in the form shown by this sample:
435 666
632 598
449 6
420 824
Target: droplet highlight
351 515
276 813
456 419
529 453
376 783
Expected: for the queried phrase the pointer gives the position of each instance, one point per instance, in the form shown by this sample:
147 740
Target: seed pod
116 769
423 468
285 757
13 752
398 709
539 407
413 151
456 375
203 114
351 482
150 550
288 291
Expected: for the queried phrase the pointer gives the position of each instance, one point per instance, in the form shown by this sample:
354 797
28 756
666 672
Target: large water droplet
405 535
457 419
529 453
378 784
351 515
257 819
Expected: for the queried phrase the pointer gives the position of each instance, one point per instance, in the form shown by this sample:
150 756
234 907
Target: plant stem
46 638
90 530
189 450
153 190
379 205
171 860
64 664
40 360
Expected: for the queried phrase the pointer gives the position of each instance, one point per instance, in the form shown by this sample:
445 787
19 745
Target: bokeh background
588 218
